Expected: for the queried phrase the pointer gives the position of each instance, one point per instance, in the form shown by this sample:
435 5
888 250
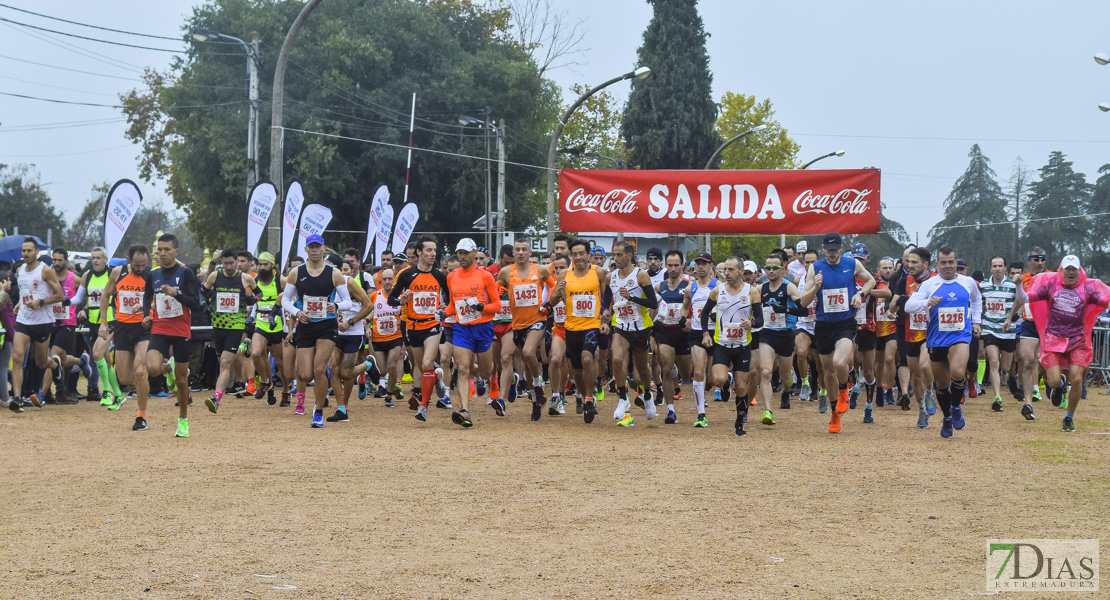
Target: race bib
585 306
698 307
465 313
880 312
835 300
227 302
950 318
812 316
772 319
386 325
670 314
560 313
168 306
919 321
130 302
996 309
61 313
861 315
625 312
733 334
27 299
316 307
1028 312
94 297
425 303
526 295
505 313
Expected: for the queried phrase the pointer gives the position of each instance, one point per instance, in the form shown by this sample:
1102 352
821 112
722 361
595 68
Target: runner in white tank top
632 297
34 321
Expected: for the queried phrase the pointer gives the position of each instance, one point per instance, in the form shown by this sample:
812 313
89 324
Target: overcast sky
904 87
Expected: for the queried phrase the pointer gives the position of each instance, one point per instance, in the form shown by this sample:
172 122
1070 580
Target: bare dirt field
258 505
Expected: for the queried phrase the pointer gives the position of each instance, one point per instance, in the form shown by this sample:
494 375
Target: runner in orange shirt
527 286
473 300
557 370
421 289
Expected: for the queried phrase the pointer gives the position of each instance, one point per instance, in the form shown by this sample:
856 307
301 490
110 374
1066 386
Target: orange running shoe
755 401
494 386
841 405
471 389
250 387
834 422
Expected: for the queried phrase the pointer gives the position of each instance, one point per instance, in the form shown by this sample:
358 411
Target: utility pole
489 193
252 134
501 182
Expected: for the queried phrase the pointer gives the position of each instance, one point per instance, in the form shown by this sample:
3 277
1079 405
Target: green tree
352 74
1017 198
87 230
1098 263
771 148
1056 218
593 128
26 205
974 204
670 116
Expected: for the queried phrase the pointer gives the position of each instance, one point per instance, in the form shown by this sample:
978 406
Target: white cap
1070 260
750 266
466 245
802 246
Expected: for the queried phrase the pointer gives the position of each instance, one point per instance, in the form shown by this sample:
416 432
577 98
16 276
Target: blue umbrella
10 246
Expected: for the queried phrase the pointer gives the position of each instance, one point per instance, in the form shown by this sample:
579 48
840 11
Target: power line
146 35
69 125
57 87
120 105
23 60
64 153
91 39
103 58
950 139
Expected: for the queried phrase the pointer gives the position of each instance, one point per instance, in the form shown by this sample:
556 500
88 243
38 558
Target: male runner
693 304
738 312
312 296
781 308
527 285
1029 340
268 331
955 315
671 339
386 336
803 345
171 294
632 297
833 282
998 338
349 344
94 282
229 292
128 333
474 300
582 288
63 337
886 334
1067 304
915 329
557 368
36 288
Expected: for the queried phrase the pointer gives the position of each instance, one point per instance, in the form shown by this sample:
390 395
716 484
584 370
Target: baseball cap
832 241
1070 260
961 262
400 257
654 251
266 257
707 257
750 266
315 238
598 251
466 245
334 259
482 249
859 250
801 247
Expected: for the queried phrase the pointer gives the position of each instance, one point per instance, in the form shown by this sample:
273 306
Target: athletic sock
219 395
113 381
427 385
300 397
944 399
1069 415
343 409
699 396
537 381
101 370
670 407
318 411
142 414
982 369
956 391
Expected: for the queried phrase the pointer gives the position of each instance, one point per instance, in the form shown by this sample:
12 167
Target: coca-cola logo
616 201
845 202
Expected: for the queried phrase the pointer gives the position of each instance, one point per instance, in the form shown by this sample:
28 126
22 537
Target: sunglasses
1038 258
771 268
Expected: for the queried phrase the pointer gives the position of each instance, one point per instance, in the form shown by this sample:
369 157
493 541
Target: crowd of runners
477 332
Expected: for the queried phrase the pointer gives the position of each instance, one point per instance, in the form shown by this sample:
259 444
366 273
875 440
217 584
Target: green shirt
997 302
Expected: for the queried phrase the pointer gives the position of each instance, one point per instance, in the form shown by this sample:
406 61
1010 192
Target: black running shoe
1069 426
589 411
338 417
271 398
15 405
1058 397
904 401
537 410
785 402
578 408
284 400
996 406
380 392
140 424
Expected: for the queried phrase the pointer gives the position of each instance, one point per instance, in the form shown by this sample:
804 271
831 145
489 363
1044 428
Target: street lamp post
822 157
203 35
639 73
712 162
499 132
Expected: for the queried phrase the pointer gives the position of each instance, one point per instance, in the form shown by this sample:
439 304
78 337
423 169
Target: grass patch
1044 444
1054 452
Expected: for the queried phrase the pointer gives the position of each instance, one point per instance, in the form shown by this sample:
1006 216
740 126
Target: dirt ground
258 505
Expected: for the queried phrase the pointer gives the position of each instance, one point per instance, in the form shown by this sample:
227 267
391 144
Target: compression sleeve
494 305
148 293
793 308
757 315
79 297
706 311
607 298
649 301
289 298
189 296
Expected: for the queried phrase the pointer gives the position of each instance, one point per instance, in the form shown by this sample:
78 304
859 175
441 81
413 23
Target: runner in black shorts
673 343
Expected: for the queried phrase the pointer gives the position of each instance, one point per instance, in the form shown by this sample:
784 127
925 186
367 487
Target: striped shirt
997 302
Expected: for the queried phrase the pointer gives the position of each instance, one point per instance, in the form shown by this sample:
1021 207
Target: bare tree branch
552 38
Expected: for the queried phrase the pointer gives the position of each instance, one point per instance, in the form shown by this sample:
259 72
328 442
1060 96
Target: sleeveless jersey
314 293
998 300
229 312
917 324
698 296
356 327
268 311
95 286
838 286
169 316
806 323
731 310
525 296
583 300
505 313
66 315
865 315
387 319
772 320
628 315
670 302
129 296
884 325
32 287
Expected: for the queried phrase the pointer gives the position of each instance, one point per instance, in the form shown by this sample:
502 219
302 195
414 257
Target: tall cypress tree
1060 192
670 116
974 204
1098 264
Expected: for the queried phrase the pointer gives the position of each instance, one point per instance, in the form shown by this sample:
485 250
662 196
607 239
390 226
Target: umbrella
10 246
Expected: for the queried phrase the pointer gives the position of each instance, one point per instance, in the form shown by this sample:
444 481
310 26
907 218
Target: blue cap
315 238
598 251
859 250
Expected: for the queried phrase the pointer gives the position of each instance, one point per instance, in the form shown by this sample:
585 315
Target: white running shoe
622 409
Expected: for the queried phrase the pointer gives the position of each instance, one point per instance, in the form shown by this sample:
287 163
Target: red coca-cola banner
791 202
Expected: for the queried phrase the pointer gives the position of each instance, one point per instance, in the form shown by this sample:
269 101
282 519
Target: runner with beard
229 292
672 341
867 339
526 286
94 282
473 299
557 369
886 334
915 328
386 336
1014 271
1029 340
693 305
36 288
954 306
808 365
128 334
64 335
268 331
656 272
632 298
999 339
781 309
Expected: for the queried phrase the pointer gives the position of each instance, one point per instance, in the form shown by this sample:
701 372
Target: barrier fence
1100 366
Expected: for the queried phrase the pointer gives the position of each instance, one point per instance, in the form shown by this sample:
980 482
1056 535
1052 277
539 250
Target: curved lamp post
712 162
639 73
829 155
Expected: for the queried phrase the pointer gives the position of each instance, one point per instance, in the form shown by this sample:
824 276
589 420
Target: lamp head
465 120
641 73
202 34
758 128
1102 59
839 153
1104 107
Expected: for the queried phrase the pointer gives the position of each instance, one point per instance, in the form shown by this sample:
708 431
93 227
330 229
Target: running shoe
578 408
271 397
118 403
245 349
35 400
1058 396
480 386
823 403
627 421
611 383
890 396
57 370
972 391
726 393
443 402
599 393
804 394
868 416
996 406
639 401
441 390
261 389
784 402
252 389
212 404
717 395
922 417
339 417
649 396
561 406
701 421
842 401
958 417
740 420
946 428
768 418
421 414
413 402
140 424
1069 426
182 428
171 381
285 400
853 397
671 418
1027 412
300 407
1014 389
834 422
15 404
649 410
462 418
106 398
511 394
389 401
537 410
677 394
498 407
589 411
621 410
1036 393
362 386
317 420
380 392
553 408
904 401
538 395
930 402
